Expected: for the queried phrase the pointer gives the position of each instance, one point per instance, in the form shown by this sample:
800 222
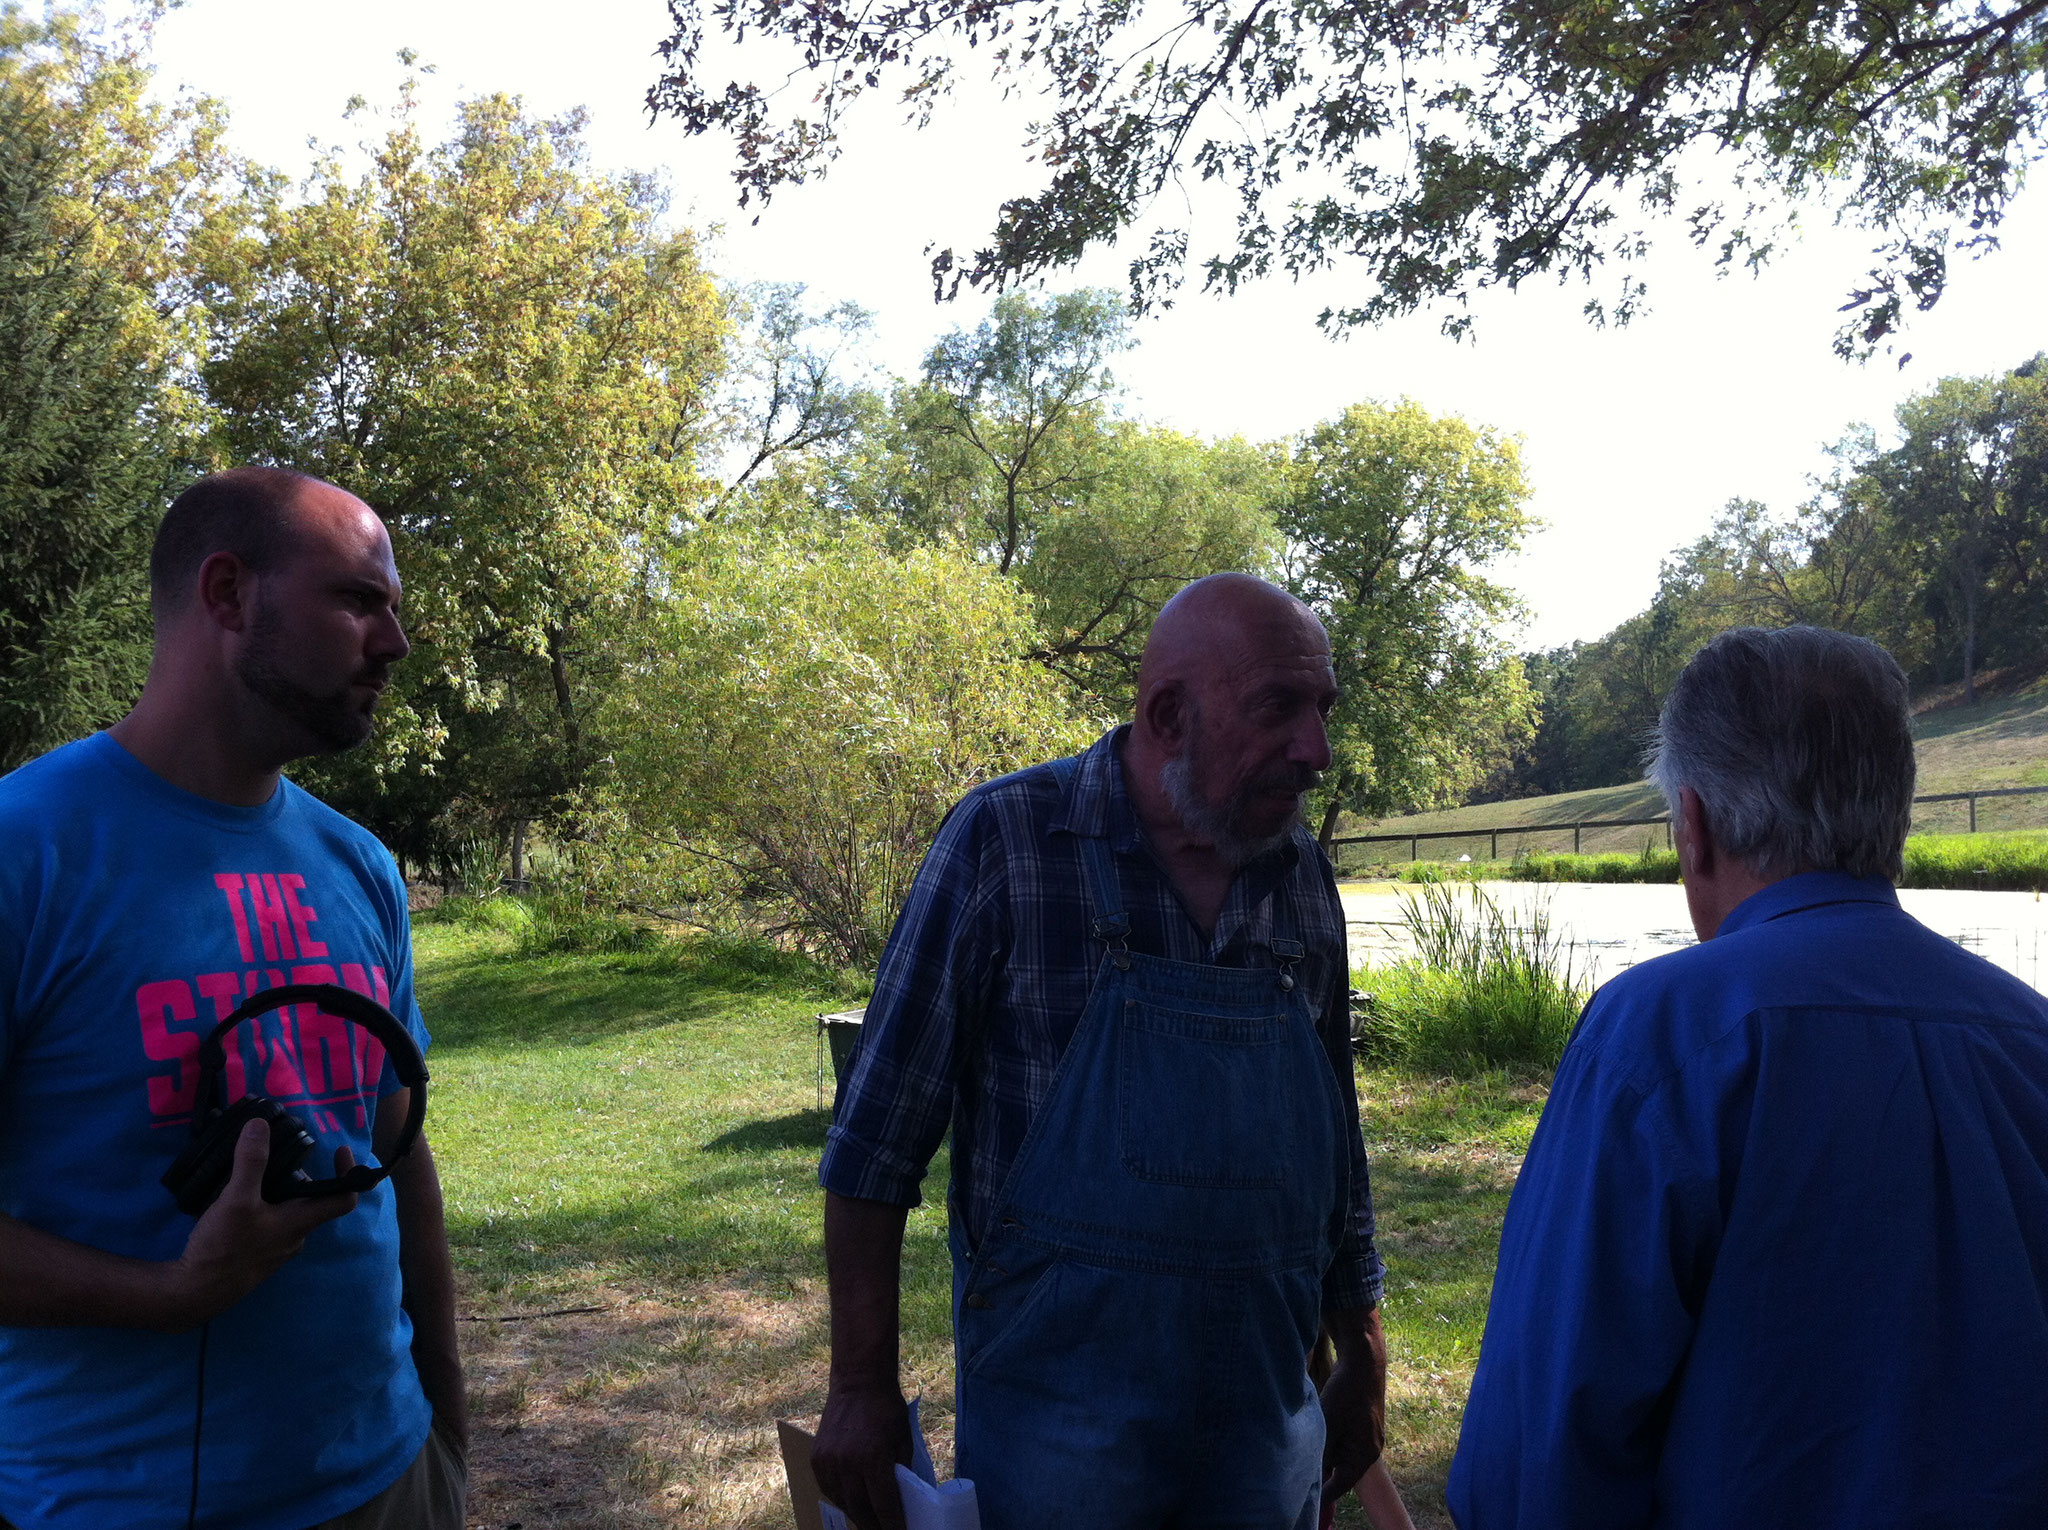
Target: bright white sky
1635 438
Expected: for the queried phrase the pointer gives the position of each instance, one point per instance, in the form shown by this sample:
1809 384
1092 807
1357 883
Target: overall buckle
1114 931
1287 953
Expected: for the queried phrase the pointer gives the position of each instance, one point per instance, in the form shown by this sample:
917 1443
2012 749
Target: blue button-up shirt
1779 1253
990 965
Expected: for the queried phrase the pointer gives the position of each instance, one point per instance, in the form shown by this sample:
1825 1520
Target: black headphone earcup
197 1176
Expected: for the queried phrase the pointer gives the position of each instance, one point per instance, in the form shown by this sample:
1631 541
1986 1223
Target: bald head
1215 626
1233 688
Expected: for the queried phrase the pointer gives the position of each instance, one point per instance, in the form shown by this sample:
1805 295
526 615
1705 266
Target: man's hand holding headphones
242 1239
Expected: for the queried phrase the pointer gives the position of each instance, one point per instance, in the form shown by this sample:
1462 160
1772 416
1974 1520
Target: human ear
226 587
1164 711
1689 831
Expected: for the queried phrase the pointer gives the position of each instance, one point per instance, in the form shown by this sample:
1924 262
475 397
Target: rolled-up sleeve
895 1103
1356 1277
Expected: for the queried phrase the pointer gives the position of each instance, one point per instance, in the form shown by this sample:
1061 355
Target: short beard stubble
334 721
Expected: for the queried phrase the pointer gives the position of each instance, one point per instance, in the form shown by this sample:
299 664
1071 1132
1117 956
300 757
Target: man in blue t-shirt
267 1366
1779 1253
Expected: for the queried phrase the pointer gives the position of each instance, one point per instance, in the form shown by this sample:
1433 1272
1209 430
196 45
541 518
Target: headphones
198 1174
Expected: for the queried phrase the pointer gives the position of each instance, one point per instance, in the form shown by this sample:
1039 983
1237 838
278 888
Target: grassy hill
2001 739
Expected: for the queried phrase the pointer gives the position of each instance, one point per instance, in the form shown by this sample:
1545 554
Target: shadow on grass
1996 717
491 998
1440 1214
804 1129
1442 1219
695 1227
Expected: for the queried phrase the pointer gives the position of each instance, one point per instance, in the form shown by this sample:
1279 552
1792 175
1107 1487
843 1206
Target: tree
1932 546
1546 760
1010 401
1009 446
1610 701
1160 509
1829 564
507 356
106 205
1390 517
1445 148
799 718
787 392
1961 485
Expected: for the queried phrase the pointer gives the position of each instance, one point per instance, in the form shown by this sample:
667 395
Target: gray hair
1799 743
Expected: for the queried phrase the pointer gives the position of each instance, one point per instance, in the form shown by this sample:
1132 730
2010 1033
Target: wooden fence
1414 838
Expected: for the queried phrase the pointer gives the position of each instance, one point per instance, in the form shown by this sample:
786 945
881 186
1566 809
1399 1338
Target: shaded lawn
640 1134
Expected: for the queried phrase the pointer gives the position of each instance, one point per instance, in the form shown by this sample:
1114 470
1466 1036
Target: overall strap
1112 925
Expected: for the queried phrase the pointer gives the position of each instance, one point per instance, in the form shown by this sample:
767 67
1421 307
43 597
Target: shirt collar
1809 889
1096 803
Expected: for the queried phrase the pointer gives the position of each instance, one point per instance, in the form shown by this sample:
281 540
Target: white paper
947 1506
928 1504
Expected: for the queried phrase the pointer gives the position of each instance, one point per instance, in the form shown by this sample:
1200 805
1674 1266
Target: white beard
1208 821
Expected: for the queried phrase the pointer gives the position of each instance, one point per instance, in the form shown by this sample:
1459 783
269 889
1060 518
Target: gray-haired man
1779 1253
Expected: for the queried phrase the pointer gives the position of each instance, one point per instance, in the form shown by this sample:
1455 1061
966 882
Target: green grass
1631 799
2012 862
1444 1157
1485 990
652 1114
1999 740
2016 861
639 1132
1635 799
1653 864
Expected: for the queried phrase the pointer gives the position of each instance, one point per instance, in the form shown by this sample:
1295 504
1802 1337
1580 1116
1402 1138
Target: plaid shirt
989 968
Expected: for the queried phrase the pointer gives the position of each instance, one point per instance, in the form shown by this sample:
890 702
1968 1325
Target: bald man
1121 979
267 1366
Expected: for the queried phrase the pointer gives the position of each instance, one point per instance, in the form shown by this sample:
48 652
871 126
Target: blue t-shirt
1779 1253
134 915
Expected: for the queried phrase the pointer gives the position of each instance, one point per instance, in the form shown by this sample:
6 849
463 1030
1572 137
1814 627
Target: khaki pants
429 1495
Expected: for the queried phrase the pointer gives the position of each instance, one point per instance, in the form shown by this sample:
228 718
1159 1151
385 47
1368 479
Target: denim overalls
1131 1335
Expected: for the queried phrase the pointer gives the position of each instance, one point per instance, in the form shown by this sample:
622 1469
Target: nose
390 643
1311 743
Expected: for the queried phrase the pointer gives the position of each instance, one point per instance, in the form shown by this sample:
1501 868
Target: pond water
1612 926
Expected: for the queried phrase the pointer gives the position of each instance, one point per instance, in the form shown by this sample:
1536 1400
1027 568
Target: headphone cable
198 1415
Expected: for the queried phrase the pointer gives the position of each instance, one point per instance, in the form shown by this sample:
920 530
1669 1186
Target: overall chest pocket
1205 1101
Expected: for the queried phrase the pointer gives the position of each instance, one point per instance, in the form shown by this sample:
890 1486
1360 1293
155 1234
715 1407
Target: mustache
1287 778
